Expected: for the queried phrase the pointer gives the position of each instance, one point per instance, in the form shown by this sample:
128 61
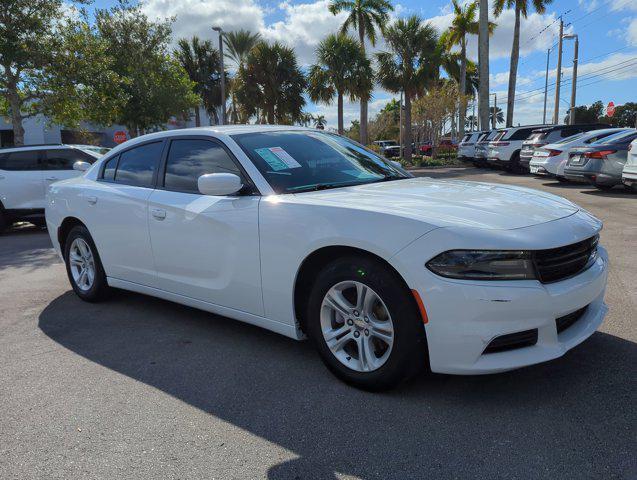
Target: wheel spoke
336 332
82 279
338 302
337 344
366 356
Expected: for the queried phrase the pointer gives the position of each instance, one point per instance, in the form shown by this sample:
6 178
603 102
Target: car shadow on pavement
28 247
570 418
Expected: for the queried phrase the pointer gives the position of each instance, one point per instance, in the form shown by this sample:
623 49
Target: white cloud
631 32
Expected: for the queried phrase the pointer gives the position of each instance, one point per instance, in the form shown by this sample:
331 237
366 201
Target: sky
607 31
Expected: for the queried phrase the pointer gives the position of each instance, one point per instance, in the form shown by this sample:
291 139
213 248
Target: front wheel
365 324
83 266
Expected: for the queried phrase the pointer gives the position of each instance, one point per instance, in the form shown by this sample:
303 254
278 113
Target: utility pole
558 77
571 118
546 84
223 76
400 125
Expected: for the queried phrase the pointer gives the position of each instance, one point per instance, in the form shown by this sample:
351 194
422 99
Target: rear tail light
499 144
554 153
600 154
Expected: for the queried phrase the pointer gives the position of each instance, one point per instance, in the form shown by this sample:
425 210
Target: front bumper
465 316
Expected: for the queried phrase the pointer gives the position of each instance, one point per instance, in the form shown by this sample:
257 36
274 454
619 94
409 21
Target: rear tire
602 187
365 325
84 267
4 222
562 179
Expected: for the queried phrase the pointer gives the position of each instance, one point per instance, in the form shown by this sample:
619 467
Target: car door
59 164
205 247
21 180
115 209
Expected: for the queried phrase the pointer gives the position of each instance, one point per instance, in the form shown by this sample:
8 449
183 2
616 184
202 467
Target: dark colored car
601 163
552 134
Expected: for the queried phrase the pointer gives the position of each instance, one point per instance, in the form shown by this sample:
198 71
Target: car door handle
52 179
91 199
158 213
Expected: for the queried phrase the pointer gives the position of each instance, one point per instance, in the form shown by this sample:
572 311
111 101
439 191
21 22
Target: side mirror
219 184
81 166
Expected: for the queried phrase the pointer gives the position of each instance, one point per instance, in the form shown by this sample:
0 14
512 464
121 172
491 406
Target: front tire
84 267
365 324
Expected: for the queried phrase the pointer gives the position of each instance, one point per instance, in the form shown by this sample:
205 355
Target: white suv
26 172
504 149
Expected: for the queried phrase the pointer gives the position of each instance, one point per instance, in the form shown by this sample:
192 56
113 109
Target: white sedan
308 234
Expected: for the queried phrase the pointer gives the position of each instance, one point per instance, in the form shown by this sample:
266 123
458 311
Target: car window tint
21 161
109 168
188 159
137 165
521 134
63 159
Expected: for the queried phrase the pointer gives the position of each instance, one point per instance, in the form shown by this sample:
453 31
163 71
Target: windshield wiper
318 186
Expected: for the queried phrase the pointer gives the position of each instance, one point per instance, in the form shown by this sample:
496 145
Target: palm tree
463 24
365 16
238 45
341 69
271 84
202 63
521 9
411 65
483 64
319 122
499 116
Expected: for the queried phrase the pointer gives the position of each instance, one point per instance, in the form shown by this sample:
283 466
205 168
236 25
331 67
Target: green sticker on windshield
277 158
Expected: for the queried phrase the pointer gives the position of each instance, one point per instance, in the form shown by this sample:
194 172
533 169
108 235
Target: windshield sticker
278 158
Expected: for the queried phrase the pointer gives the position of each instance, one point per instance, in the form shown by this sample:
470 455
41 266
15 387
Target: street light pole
223 75
571 118
558 77
546 83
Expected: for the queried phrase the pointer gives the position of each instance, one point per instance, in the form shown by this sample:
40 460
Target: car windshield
620 137
297 161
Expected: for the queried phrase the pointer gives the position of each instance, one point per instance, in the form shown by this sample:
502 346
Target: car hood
448 203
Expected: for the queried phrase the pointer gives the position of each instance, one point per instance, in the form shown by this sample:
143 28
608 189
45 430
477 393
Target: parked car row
591 153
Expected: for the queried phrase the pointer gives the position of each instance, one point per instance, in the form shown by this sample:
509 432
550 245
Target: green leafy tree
625 116
319 122
365 16
586 113
202 63
271 84
464 23
521 10
342 69
154 84
410 65
54 65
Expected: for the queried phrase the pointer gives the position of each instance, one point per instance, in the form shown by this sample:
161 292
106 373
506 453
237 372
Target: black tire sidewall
100 288
409 350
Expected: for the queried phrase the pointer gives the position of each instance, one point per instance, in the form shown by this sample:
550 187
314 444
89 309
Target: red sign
610 109
120 136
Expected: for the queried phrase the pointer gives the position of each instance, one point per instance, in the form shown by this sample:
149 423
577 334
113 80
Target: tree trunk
15 105
513 70
483 61
407 129
271 115
340 113
364 103
197 117
463 86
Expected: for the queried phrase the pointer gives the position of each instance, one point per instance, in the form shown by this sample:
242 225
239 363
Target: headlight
484 265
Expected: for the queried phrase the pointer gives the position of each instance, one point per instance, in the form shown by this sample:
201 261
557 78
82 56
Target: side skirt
278 327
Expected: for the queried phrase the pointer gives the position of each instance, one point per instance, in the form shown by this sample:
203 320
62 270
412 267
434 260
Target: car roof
563 127
39 146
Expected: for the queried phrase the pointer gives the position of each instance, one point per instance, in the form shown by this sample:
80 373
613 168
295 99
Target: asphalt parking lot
141 388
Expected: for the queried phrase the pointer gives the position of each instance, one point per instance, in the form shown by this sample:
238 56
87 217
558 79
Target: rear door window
521 134
138 165
27 160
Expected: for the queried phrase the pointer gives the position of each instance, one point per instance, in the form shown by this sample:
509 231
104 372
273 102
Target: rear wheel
562 179
84 267
601 186
365 324
4 222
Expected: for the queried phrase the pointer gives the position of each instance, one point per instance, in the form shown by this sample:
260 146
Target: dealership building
39 130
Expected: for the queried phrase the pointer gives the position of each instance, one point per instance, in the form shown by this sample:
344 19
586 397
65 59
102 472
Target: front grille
512 341
562 323
559 263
